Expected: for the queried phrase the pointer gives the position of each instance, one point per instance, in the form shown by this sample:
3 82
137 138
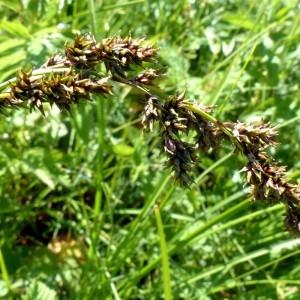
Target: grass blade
164 255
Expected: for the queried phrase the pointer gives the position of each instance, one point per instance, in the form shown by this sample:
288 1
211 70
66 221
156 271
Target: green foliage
78 195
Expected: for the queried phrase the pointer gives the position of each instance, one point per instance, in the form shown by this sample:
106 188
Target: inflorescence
65 80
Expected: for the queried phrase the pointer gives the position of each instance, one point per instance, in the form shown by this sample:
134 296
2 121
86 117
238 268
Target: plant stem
217 123
37 72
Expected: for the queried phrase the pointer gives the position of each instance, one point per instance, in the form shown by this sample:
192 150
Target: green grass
87 210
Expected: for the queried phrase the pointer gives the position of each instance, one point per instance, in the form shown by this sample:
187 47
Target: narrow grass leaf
164 255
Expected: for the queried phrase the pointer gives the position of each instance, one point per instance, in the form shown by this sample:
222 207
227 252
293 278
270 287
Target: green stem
35 73
100 138
4 96
217 123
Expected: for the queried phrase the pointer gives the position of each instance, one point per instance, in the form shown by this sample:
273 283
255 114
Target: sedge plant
69 79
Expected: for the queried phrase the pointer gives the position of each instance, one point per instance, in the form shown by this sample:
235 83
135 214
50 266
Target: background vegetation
87 210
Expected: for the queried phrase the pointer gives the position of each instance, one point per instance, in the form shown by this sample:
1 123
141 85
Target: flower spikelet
180 158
